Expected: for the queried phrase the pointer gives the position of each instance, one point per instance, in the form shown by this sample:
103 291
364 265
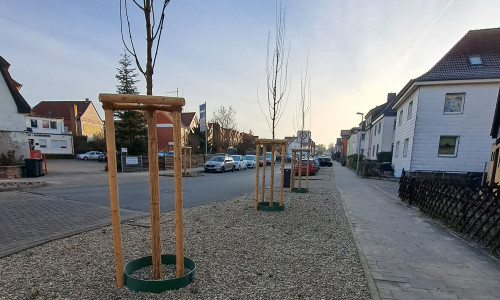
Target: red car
312 167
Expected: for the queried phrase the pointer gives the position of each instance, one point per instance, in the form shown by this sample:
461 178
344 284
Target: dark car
325 161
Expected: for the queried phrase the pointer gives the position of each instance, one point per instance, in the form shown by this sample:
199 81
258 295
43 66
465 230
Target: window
448 146
453 103
392 147
377 149
375 130
379 126
394 129
405 148
396 153
373 152
43 143
45 124
34 123
58 144
400 117
410 110
475 60
53 124
363 137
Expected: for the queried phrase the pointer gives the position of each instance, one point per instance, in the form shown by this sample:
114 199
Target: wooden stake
283 149
190 161
154 194
300 170
113 197
307 172
185 160
179 225
264 162
292 177
256 198
271 184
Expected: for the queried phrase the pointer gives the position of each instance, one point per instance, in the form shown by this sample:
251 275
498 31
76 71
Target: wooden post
283 149
256 198
300 171
184 153
263 173
307 172
271 184
292 177
113 197
154 195
179 226
190 161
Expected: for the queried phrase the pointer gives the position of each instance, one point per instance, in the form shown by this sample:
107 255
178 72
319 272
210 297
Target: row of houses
442 121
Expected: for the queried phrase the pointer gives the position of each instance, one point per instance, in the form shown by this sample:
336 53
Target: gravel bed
304 252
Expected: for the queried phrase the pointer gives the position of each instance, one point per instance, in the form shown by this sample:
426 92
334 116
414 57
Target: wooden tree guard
185 151
263 143
292 177
148 104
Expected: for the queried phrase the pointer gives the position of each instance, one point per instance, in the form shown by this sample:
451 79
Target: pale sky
215 51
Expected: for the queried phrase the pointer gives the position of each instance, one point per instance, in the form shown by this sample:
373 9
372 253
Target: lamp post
359 143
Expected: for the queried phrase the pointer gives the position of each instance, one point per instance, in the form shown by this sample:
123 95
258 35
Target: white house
380 128
49 135
444 117
13 134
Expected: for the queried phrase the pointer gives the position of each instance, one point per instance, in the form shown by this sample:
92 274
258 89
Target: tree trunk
149 37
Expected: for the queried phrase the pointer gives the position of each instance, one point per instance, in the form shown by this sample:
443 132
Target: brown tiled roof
187 118
22 106
60 109
455 64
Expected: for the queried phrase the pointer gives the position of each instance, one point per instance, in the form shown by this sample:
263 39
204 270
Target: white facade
382 135
428 124
49 135
13 135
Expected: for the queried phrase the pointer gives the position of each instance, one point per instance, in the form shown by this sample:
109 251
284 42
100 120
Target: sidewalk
410 256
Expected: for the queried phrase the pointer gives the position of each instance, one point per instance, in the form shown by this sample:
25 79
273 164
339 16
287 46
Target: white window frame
396 153
42 143
410 110
400 118
405 147
457 140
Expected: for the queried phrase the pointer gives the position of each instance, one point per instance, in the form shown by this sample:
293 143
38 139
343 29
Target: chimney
73 112
87 100
391 97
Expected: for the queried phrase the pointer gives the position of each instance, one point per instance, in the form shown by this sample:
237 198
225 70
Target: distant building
13 133
49 135
80 117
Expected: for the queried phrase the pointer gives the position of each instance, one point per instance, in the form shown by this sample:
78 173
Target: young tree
277 72
226 119
130 125
153 36
304 103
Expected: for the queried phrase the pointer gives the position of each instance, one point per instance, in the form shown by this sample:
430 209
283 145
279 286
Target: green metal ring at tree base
296 190
158 286
275 207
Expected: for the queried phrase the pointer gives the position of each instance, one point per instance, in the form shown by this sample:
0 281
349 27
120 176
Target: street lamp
359 144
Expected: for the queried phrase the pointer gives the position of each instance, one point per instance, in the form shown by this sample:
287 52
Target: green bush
384 157
352 160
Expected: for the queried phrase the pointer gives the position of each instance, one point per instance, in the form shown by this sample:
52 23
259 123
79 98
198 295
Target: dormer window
475 60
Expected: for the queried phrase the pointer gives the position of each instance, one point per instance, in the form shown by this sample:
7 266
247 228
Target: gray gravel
304 252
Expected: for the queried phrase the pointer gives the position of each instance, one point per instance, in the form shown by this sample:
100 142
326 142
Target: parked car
312 167
165 153
220 163
251 161
239 162
316 163
325 161
103 157
268 159
89 155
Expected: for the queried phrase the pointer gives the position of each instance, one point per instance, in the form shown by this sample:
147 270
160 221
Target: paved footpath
410 256
28 220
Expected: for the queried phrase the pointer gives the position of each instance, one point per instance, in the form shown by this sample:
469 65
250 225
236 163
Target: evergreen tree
131 131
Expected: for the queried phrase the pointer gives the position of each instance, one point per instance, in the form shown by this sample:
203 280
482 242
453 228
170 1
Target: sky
357 52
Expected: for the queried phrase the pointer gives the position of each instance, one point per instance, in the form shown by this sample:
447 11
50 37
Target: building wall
472 126
405 130
91 123
49 140
388 133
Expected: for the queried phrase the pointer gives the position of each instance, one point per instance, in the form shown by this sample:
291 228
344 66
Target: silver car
239 162
251 161
89 155
220 163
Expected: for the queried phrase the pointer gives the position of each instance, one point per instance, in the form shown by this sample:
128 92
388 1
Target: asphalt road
199 190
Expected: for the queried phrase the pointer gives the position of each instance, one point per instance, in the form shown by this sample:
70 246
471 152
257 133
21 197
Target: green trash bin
34 167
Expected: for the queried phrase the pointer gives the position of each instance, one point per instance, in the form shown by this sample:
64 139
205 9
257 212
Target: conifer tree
130 125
